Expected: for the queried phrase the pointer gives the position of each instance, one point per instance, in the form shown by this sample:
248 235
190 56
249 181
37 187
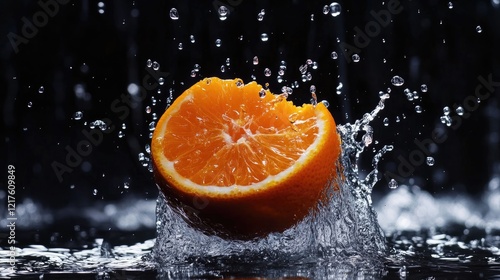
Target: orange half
240 162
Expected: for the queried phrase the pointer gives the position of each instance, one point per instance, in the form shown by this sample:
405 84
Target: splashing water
345 229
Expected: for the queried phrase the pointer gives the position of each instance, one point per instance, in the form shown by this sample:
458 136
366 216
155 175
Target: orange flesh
249 148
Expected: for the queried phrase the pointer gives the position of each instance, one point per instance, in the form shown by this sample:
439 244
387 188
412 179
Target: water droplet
77 115
312 17
161 81
450 5
223 68
149 63
393 184
397 81
309 76
267 72
148 109
398 119
193 73
154 116
191 39
446 110
180 47
156 65
94 192
124 126
218 43
152 125
126 185
239 83
479 29
260 15
30 104
403 272
255 60
41 89
423 88
334 55
121 134
386 121
418 109
315 65
326 9
262 93
264 37
303 69
335 9
356 57
223 12
228 61
312 89
174 14
429 161
326 103
459 110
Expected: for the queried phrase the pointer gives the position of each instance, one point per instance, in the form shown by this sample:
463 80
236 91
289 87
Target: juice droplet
397 81
293 117
174 14
335 9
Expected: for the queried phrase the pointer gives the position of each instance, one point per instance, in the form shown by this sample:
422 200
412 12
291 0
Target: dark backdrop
85 60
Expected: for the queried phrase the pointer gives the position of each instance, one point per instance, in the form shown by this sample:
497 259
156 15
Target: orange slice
240 162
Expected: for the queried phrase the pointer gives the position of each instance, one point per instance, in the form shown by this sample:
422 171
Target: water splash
346 228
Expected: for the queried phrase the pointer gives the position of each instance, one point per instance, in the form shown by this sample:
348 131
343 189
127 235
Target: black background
426 43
